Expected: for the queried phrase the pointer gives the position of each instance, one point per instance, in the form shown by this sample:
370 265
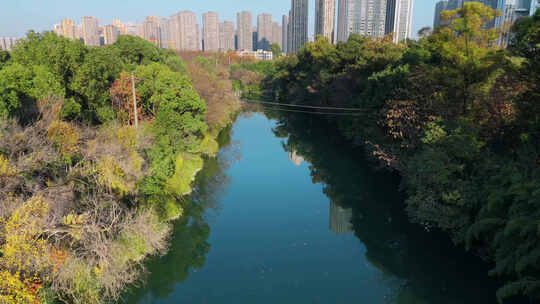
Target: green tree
4 58
60 55
135 51
21 87
92 80
156 80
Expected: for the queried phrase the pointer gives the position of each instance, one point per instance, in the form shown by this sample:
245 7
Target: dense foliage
98 146
457 116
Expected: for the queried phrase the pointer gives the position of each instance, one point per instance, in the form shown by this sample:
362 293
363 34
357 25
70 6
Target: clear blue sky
19 16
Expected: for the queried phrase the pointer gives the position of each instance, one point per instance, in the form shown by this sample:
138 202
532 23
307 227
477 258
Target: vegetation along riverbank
455 115
98 147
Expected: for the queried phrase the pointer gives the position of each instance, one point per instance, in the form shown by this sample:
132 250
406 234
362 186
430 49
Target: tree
21 87
122 99
135 51
4 58
276 50
60 55
154 82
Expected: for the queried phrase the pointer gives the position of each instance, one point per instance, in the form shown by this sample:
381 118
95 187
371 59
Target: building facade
258 54
264 31
399 19
110 34
211 32
284 31
439 8
184 31
361 17
8 43
68 28
226 36
277 37
151 30
298 24
90 31
164 35
244 31
325 12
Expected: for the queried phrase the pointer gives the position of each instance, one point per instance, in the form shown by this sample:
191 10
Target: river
287 214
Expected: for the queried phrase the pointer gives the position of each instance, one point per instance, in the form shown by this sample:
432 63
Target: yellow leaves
5 169
64 136
23 249
13 290
127 137
111 175
73 220
24 253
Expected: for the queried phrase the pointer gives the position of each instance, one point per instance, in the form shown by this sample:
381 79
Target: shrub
64 136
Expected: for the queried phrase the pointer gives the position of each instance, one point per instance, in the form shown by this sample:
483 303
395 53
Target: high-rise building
211 31
264 31
399 19
132 29
226 36
164 36
298 24
439 8
7 43
277 37
3 45
284 31
325 12
342 27
110 34
254 38
151 30
120 26
454 4
58 29
68 28
244 30
361 17
185 32
90 31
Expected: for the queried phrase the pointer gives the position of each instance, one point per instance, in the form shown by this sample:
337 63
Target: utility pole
134 100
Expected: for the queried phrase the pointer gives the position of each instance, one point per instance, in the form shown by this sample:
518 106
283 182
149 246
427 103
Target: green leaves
22 87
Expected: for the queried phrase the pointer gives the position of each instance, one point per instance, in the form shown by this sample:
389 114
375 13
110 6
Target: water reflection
340 219
189 244
422 267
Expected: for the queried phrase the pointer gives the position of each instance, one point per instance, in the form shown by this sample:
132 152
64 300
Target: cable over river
287 214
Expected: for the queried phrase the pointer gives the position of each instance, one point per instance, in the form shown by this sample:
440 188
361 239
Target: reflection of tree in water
430 268
189 246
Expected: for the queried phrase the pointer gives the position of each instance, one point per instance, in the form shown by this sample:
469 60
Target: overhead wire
311 112
301 106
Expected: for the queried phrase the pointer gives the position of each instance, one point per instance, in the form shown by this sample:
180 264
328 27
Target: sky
20 16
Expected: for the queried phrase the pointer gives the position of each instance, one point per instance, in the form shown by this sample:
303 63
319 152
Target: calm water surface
287 215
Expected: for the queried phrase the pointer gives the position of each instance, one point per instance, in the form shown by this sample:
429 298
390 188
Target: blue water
263 232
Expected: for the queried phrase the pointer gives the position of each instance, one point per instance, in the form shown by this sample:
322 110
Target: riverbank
90 182
456 116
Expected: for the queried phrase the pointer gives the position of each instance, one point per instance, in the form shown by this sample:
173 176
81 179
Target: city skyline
34 15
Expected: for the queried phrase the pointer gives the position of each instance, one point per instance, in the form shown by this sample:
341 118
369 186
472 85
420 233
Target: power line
308 112
301 106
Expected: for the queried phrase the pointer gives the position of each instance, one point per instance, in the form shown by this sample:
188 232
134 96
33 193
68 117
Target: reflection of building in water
295 158
340 219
